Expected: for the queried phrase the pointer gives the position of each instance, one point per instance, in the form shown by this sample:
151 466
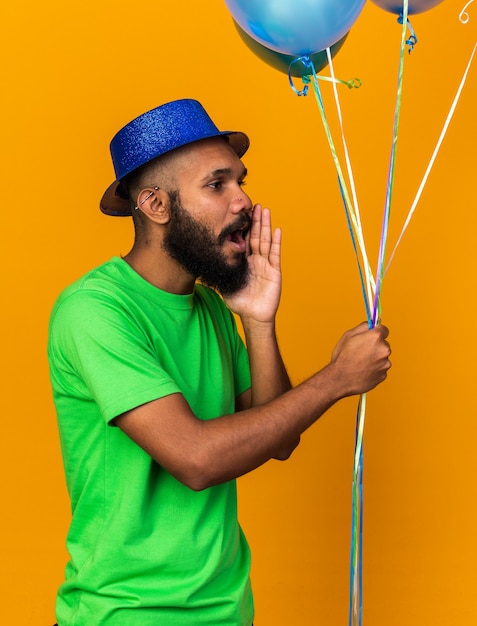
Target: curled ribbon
464 17
305 60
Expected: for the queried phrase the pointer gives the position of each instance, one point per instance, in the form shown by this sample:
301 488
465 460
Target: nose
241 202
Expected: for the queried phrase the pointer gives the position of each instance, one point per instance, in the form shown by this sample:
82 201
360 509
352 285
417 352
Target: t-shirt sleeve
98 353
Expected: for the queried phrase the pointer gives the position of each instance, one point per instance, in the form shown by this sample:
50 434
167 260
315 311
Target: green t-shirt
145 549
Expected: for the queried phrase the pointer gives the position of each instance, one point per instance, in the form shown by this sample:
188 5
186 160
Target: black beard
192 244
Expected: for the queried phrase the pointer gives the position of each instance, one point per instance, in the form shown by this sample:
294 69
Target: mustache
243 223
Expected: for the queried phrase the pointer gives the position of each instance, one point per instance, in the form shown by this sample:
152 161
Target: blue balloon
296 27
414 6
288 63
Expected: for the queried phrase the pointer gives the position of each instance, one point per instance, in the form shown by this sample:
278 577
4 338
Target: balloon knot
307 62
411 41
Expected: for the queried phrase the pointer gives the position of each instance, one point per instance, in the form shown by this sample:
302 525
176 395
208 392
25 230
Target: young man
160 406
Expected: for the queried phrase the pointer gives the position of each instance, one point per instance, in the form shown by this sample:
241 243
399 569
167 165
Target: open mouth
238 236
237 233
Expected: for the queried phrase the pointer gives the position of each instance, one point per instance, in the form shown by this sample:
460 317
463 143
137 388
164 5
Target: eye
242 182
216 184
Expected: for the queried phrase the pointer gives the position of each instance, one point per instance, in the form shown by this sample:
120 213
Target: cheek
212 218
209 210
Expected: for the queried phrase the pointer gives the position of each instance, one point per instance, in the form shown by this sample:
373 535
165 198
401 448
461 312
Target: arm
204 453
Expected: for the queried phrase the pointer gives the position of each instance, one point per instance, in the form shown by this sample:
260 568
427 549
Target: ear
154 203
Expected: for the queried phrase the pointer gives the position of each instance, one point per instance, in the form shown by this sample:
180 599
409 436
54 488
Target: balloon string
356 558
351 215
434 155
354 83
356 549
370 283
356 552
356 564
349 207
355 248
464 17
390 185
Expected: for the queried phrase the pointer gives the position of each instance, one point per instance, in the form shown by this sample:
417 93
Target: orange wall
73 73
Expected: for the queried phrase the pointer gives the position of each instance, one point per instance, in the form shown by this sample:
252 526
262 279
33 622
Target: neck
160 270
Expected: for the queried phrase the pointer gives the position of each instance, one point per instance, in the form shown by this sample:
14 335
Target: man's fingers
261 232
265 233
275 249
255 229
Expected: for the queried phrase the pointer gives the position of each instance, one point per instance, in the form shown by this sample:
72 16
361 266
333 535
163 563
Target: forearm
268 373
236 444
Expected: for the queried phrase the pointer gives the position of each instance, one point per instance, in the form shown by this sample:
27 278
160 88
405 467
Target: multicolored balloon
287 62
296 27
414 6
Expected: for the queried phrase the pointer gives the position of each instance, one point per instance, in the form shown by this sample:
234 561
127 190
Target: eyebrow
224 171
